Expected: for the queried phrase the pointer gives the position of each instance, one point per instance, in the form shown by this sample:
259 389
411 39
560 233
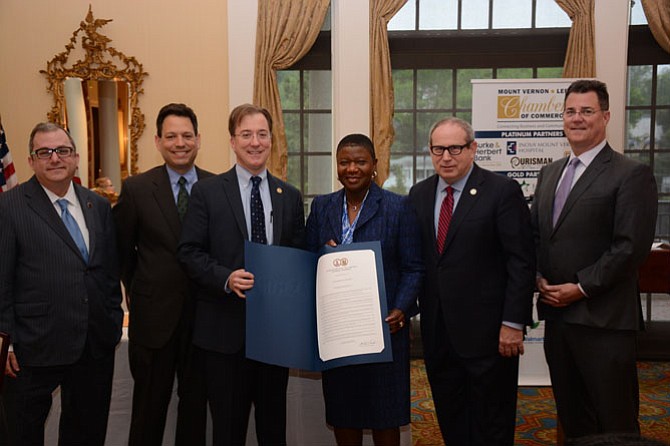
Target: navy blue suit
484 276
211 248
374 395
63 314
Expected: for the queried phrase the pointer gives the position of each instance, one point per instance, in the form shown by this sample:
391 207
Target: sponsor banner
519 129
519 126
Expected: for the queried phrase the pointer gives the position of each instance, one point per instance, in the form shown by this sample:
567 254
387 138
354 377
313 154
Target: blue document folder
281 307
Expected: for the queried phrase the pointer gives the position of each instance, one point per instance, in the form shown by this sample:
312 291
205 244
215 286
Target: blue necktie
564 189
73 228
257 214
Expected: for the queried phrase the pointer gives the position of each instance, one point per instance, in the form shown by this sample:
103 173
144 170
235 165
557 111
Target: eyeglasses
585 112
44 153
453 150
248 135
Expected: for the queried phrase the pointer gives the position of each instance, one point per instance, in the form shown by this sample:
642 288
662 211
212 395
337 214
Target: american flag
7 173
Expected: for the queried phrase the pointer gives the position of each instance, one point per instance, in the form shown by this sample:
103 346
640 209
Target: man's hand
510 342
240 281
12 366
560 295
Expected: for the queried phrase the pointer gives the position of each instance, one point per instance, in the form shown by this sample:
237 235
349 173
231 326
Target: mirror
96 99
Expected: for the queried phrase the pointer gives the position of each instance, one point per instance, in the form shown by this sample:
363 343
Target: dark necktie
257 214
73 228
446 210
564 189
182 198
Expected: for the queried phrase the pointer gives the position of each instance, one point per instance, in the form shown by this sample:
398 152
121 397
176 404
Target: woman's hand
396 320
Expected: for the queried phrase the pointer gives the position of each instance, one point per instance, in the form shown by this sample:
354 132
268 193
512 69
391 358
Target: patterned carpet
536 413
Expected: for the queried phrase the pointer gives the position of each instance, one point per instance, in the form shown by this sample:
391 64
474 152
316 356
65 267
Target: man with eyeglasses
160 295
594 217
245 203
478 288
60 297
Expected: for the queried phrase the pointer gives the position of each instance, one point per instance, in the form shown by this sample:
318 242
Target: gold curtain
286 31
381 84
580 57
658 16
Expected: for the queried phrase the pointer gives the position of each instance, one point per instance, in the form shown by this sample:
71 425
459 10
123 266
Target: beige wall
182 45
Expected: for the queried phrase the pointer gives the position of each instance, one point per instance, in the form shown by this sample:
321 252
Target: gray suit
602 236
60 311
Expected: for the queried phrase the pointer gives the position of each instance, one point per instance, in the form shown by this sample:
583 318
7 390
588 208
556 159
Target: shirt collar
587 157
457 185
70 195
191 176
244 176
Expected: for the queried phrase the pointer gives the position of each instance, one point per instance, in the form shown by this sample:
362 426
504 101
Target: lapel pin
280 190
89 205
473 191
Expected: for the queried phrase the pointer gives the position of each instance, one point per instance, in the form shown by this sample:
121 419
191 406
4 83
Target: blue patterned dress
374 396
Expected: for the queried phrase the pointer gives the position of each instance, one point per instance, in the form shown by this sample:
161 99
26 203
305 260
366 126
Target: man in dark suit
60 297
592 231
162 306
477 296
245 203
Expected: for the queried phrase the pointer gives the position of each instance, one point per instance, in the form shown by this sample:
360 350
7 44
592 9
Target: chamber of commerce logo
509 107
529 104
340 262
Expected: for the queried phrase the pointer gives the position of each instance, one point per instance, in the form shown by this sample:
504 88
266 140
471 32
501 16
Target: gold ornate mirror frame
99 63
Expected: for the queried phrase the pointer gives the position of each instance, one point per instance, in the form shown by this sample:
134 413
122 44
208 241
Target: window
306 104
305 93
648 110
478 14
436 52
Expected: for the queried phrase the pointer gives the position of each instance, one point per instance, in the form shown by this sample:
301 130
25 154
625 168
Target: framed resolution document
317 311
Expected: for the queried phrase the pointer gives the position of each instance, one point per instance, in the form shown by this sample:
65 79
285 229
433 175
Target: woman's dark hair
357 140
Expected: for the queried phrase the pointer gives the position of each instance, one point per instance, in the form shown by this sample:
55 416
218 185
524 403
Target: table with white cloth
305 411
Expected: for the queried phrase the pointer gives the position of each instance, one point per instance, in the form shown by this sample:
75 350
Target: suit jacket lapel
90 218
592 172
277 198
469 196
39 202
371 205
231 188
162 192
333 211
427 211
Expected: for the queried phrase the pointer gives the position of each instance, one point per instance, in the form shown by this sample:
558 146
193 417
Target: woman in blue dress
371 396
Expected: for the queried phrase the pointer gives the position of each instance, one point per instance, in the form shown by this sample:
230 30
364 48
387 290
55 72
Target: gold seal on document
340 262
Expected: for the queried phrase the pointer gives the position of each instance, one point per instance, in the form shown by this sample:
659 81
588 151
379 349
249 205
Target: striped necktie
446 210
